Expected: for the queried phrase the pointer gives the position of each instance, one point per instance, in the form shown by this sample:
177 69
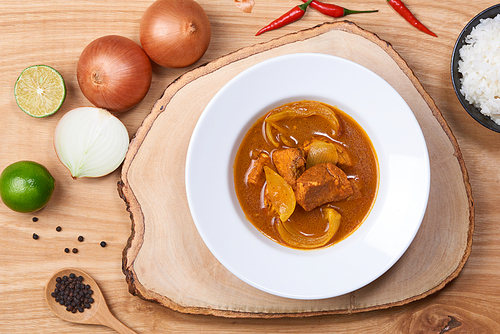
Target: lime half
40 90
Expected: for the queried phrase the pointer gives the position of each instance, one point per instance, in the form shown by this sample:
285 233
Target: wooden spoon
97 314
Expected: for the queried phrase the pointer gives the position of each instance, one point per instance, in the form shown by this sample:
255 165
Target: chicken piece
357 187
344 157
255 173
322 184
290 164
306 146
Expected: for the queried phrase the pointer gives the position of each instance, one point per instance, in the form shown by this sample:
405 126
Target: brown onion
114 73
175 33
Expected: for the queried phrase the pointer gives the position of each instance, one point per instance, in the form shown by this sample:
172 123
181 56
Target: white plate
404 176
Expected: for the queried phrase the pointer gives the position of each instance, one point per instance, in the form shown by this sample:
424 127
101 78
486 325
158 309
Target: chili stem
348 11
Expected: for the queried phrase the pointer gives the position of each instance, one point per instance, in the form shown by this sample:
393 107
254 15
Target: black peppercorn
66 250
72 294
35 236
35 219
58 229
103 243
80 238
75 250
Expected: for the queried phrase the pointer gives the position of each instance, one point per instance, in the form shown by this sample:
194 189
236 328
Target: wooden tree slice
166 260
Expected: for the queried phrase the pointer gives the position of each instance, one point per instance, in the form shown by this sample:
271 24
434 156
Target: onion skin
175 33
114 73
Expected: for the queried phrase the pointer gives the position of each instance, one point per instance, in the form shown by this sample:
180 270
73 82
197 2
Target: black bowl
456 76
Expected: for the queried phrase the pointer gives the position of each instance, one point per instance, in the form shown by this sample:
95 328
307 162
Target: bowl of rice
475 68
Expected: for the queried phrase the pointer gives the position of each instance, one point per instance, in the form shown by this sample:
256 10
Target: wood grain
55 32
158 262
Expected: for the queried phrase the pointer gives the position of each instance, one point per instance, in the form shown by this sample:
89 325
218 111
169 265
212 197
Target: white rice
480 67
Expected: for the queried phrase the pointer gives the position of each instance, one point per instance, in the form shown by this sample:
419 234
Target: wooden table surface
54 32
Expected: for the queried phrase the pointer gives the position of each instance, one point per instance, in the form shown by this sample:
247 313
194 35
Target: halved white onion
90 142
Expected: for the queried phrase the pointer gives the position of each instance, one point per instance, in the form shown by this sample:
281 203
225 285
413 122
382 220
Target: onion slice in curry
280 194
321 152
306 109
298 240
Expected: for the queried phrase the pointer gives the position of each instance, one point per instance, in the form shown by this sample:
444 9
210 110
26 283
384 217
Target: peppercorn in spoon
74 296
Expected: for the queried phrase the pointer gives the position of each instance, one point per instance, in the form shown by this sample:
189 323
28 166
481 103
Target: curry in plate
306 175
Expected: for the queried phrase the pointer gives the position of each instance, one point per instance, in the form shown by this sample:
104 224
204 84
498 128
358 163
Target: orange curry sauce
363 174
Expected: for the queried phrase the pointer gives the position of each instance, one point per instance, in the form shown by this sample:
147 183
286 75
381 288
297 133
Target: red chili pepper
334 10
399 6
292 15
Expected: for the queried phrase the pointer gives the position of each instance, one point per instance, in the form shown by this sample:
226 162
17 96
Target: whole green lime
26 186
